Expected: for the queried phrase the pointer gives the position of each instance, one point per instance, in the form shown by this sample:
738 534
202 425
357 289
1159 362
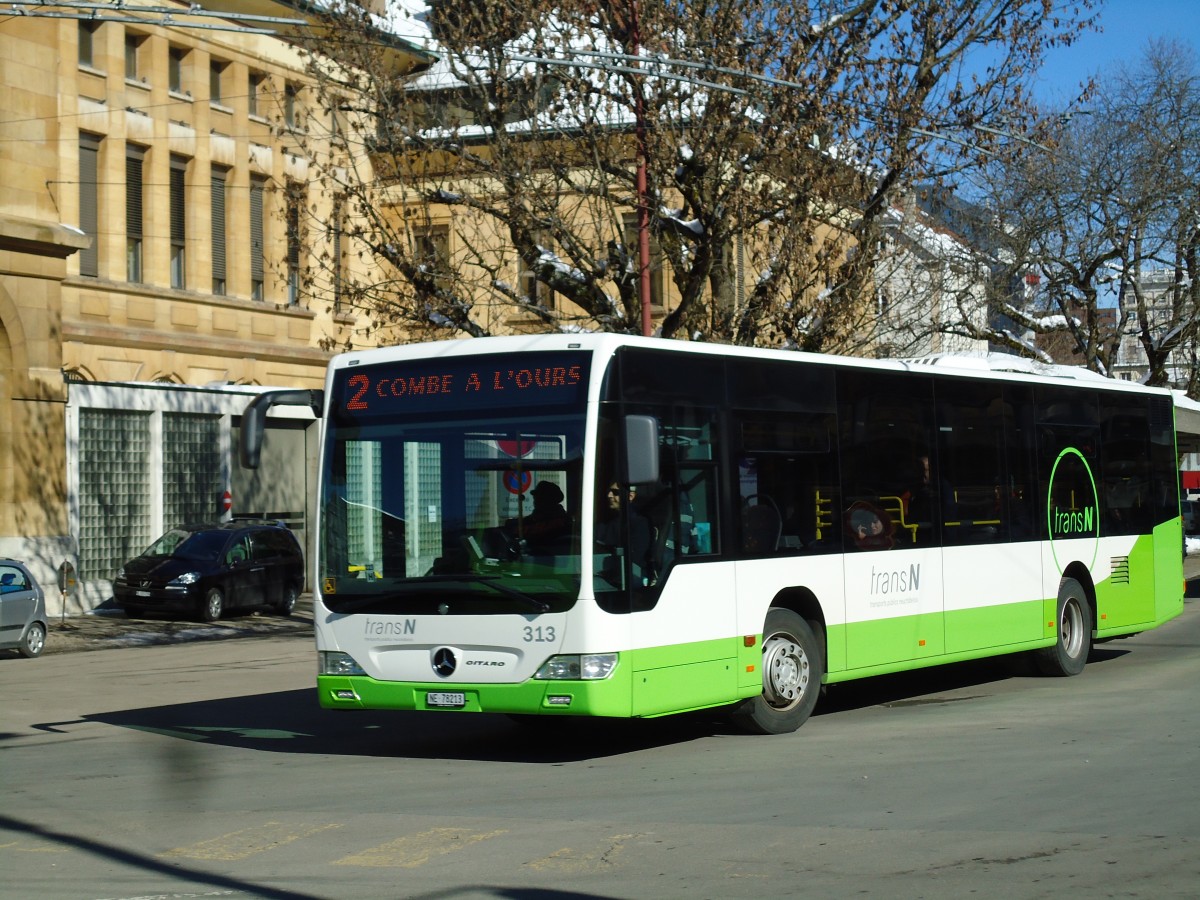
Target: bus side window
973 461
887 456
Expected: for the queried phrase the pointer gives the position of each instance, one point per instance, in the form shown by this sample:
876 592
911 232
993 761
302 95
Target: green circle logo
1072 503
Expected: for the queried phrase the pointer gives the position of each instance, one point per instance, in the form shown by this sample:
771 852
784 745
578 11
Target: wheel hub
785 671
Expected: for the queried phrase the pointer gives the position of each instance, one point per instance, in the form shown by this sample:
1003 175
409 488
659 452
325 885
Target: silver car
22 610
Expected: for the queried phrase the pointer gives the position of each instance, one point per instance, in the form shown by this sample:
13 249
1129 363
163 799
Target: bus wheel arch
793 667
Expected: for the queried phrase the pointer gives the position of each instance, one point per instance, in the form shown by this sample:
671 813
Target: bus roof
1002 366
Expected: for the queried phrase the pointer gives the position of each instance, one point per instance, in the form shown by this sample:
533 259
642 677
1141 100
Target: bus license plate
446 698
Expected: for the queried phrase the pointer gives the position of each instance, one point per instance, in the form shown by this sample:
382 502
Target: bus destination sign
461 383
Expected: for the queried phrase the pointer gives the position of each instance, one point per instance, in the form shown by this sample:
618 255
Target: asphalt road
205 769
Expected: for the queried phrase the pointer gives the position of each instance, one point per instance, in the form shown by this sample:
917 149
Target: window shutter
89 157
178 212
256 230
218 225
134 157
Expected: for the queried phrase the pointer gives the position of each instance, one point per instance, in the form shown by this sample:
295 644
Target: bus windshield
459 507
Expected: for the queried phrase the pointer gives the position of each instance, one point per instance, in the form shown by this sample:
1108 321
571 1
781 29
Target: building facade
157 244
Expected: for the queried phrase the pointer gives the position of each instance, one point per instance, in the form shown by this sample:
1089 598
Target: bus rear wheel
1070 651
792 666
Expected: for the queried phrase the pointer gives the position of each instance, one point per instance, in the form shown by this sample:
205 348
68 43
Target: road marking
417 849
245 843
569 860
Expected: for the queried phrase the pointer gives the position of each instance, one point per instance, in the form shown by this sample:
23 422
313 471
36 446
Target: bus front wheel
1070 651
792 666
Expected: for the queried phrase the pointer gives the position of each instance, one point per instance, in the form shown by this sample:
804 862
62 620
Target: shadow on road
291 722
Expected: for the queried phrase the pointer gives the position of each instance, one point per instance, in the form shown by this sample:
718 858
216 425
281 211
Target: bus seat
761 527
894 507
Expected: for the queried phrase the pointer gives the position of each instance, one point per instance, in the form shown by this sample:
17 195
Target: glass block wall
114 489
192 478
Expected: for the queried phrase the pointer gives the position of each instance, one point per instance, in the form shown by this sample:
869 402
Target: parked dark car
22 610
204 570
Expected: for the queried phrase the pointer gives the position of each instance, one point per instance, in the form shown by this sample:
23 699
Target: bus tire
1070 651
793 662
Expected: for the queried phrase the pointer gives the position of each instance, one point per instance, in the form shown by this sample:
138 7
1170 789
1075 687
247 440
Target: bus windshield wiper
492 581
361 602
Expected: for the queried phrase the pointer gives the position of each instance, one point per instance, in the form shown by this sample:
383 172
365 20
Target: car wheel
286 606
34 641
213 606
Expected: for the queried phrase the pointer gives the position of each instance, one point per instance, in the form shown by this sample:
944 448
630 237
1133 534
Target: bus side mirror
641 449
254 419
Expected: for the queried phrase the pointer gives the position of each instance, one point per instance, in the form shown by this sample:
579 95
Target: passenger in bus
921 501
869 527
609 537
547 524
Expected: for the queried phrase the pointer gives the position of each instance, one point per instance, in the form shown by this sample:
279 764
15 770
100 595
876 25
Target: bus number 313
539 634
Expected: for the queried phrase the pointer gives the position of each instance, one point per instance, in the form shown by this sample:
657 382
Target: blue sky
1129 25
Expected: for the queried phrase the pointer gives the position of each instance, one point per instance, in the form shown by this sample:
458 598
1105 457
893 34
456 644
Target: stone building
155 234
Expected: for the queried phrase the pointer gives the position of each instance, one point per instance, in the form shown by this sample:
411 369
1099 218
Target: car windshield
198 546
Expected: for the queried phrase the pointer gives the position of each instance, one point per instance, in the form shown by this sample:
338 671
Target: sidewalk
103 629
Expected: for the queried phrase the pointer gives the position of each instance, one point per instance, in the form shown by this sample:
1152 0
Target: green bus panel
1169 586
685 676
1126 597
995 626
884 641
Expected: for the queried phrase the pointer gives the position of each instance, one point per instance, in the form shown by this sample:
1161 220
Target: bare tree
1107 213
773 139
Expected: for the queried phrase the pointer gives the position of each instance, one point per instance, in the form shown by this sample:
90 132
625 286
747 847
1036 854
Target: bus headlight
335 662
577 667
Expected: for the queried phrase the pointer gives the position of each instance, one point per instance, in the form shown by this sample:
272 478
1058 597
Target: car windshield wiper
492 581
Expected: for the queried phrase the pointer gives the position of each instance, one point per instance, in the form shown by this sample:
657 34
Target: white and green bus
741 526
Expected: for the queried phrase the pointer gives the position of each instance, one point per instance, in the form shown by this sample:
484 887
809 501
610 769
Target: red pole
643 211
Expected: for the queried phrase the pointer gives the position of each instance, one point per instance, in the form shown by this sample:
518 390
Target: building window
337 219
133 49
219 176
257 185
178 221
289 106
254 86
87 43
538 292
216 71
431 247
89 203
656 267
295 204
134 160
175 59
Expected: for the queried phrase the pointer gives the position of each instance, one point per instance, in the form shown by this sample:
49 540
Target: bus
735 528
